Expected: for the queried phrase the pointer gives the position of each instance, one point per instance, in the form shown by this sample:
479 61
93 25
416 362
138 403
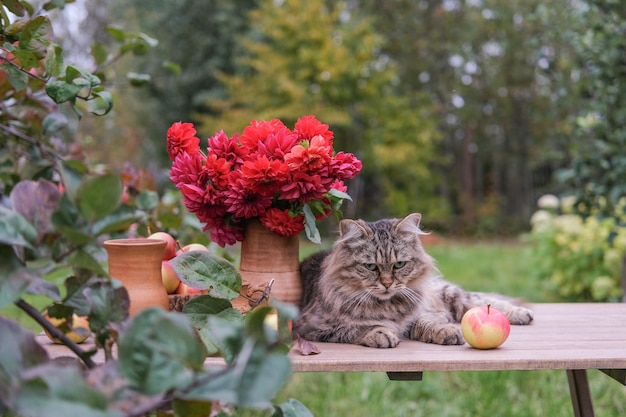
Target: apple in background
77 331
170 280
170 248
485 327
192 246
184 289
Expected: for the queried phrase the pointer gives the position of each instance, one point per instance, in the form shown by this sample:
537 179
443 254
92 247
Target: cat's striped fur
377 286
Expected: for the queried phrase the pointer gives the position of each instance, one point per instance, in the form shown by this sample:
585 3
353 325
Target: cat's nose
386 281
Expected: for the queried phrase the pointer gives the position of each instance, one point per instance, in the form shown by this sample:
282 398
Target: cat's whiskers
410 295
358 299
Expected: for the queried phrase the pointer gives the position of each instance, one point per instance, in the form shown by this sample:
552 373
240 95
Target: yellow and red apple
77 330
170 248
485 327
192 246
169 278
184 289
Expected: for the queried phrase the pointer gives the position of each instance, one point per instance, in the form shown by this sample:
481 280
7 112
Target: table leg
579 392
404 376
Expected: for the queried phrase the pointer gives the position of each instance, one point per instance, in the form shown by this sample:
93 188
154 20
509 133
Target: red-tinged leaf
16 7
305 347
36 201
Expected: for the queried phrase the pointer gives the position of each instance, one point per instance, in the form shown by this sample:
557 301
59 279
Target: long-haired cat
377 286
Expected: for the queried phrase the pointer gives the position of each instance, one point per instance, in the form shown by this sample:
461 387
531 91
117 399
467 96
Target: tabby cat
377 286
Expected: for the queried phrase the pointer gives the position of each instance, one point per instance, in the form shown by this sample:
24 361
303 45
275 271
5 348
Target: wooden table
571 337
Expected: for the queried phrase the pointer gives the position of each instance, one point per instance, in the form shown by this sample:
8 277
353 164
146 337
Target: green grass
481 266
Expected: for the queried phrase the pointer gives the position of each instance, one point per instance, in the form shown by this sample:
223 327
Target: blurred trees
490 66
323 58
598 172
462 110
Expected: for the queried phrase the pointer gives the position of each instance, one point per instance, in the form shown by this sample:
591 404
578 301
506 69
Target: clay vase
137 264
266 255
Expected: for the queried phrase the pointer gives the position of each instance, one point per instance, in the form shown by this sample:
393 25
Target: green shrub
579 258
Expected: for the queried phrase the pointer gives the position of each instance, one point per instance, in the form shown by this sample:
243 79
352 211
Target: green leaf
99 196
40 286
107 302
17 78
339 194
186 408
15 6
19 351
53 122
13 283
81 78
101 103
34 37
224 335
310 226
99 53
253 380
15 229
72 173
54 63
205 271
61 91
147 200
28 59
118 221
172 67
56 389
138 80
69 223
116 33
294 408
82 259
159 351
202 309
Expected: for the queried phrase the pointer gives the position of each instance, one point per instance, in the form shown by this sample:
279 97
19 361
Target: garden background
498 120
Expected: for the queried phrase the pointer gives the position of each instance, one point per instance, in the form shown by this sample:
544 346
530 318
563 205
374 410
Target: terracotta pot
266 255
137 264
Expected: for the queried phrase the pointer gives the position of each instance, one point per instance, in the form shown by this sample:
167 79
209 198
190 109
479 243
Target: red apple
184 289
485 327
192 246
170 280
170 248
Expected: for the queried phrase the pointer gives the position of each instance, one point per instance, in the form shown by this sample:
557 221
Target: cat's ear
349 228
410 224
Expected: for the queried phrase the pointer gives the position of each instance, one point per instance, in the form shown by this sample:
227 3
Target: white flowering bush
579 259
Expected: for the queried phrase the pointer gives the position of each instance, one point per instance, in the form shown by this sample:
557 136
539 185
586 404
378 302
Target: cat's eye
399 264
370 267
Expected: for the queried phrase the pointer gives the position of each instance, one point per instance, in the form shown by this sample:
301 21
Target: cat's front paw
380 337
440 334
520 315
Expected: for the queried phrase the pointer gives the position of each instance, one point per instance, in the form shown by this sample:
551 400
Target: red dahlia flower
181 137
269 172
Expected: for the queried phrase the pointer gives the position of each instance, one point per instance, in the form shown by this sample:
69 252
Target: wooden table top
562 336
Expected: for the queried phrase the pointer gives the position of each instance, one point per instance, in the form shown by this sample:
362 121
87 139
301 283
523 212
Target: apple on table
184 289
485 327
77 330
191 247
169 278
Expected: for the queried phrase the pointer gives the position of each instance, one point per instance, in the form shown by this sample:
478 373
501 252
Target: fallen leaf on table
305 347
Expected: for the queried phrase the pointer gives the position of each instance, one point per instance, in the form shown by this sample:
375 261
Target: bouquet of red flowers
286 178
